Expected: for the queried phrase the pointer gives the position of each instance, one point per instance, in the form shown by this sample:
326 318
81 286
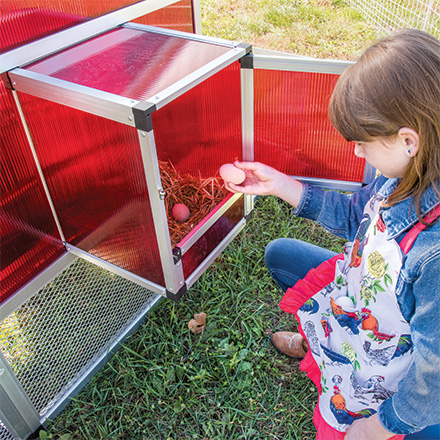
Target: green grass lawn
166 382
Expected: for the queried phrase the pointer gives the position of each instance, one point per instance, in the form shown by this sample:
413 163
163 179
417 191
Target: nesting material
198 194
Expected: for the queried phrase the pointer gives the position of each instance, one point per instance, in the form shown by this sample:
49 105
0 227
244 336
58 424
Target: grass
166 382
316 28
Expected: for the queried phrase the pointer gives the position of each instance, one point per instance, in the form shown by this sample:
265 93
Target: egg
230 173
180 212
345 302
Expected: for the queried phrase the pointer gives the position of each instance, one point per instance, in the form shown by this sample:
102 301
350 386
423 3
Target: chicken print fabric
356 332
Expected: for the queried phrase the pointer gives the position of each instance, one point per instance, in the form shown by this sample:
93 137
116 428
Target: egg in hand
230 173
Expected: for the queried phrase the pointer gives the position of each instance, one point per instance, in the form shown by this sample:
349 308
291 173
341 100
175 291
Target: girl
370 316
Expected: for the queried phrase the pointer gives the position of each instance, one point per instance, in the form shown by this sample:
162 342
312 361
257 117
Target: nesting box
144 117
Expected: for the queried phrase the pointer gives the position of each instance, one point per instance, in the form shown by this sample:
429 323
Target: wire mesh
388 15
4 433
57 335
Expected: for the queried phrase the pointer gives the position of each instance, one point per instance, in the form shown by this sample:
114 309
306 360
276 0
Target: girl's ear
410 140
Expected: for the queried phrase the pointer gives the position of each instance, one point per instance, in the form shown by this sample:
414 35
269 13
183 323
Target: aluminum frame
247 118
296 64
37 164
155 288
17 413
69 37
116 107
87 99
173 273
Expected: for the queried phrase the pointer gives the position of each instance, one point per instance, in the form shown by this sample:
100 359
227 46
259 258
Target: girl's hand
367 429
264 180
260 179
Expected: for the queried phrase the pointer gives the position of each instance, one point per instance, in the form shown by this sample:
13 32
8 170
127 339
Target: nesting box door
292 131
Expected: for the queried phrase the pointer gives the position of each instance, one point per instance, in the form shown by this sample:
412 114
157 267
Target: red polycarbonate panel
94 171
130 63
29 238
23 21
292 130
212 237
201 129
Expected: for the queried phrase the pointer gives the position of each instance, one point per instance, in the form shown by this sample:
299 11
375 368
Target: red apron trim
411 236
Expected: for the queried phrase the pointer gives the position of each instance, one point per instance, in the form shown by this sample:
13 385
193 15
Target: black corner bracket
142 115
176 296
247 62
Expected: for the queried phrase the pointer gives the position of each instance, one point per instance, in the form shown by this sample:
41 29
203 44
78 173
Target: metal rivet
162 193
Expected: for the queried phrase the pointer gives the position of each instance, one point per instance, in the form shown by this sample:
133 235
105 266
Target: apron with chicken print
354 327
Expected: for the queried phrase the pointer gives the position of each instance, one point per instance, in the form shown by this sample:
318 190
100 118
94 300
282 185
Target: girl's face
390 157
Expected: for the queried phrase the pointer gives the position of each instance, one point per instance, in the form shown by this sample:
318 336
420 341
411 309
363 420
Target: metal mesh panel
57 335
387 15
4 433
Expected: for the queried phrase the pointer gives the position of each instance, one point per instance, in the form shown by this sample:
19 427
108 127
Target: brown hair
394 84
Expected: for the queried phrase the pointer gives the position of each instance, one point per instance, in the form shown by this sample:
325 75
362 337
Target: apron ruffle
315 280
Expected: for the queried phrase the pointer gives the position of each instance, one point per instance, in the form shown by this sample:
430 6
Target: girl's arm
339 213
264 180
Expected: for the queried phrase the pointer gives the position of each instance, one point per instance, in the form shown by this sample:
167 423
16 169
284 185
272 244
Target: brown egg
180 212
230 173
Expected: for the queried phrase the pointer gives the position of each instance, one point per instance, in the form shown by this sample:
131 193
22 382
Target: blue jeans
288 260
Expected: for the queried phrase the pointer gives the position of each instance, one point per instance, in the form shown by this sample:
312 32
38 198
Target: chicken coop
112 112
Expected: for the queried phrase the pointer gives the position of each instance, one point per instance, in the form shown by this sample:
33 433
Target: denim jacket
416 404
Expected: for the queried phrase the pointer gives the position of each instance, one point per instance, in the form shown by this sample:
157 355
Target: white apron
356 332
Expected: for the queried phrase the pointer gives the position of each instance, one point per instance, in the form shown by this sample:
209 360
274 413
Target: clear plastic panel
292 130
130 63
94 171
29 238
23 21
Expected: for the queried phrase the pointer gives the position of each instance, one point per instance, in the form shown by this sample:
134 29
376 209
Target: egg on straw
180 212
230 173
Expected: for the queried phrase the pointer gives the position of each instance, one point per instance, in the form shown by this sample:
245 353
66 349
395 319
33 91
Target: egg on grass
230 173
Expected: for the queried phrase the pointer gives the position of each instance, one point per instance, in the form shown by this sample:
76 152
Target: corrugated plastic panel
212 237
29 237
201 129
292 130
23 21
130 63
94 171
